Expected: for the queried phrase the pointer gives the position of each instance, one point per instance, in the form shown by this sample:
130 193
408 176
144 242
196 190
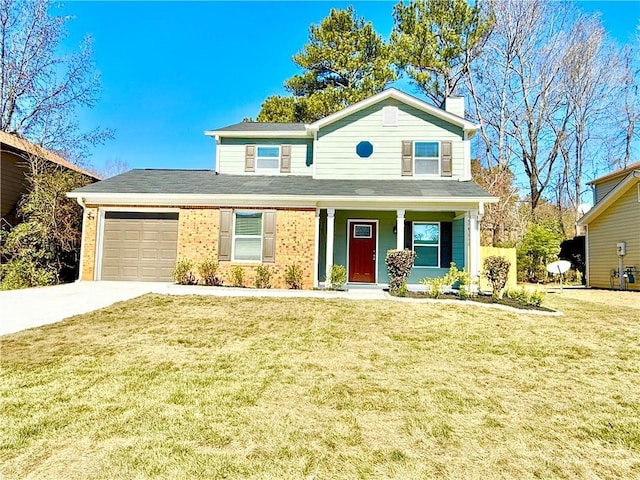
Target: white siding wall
231 153
336 146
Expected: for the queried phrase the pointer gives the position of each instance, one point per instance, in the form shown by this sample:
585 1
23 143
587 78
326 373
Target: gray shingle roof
206 182
262 127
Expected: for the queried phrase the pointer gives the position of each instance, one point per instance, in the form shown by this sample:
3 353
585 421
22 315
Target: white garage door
139 246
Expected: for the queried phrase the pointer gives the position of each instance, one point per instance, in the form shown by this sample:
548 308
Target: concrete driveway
32 307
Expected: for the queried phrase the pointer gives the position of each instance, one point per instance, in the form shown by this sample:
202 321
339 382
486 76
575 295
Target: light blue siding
232 150
336 155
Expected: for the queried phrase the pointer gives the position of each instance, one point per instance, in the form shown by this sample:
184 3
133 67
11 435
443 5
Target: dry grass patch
205 387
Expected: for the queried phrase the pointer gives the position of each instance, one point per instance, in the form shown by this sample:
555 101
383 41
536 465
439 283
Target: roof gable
19 144
402 97
633 178
291 130
616 173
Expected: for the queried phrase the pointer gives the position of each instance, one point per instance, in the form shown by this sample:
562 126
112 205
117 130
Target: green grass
206 387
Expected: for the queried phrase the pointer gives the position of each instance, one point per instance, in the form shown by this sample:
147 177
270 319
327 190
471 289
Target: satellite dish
560 266
583 208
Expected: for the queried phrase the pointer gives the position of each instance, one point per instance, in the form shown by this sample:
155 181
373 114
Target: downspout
217 159
82 203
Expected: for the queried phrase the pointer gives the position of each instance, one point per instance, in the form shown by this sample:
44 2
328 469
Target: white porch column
331 217
400 229
316 251
474 243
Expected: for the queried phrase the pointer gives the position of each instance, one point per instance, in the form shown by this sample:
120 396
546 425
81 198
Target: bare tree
627 115
112 167
593 78
537 91
40 90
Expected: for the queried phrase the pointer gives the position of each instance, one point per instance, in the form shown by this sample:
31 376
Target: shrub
463 292
208 270
263 276
236 275
293 276
399 264
526 296
539 247
24 273
338 276
182 273
435 286
402 291
496 270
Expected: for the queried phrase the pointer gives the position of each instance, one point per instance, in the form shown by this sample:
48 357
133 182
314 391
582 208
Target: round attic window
364 149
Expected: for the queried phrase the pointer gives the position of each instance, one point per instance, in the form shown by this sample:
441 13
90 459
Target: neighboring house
613 230
16 153
388 172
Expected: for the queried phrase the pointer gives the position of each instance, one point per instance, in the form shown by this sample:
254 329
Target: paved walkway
33 307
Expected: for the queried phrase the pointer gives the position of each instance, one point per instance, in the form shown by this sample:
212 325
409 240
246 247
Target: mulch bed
482 298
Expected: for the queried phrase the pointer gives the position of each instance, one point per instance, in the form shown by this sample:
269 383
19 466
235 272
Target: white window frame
436 246
234 236
356 225
438 159
263 169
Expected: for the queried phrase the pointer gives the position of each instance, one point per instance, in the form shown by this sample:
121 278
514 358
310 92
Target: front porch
360 238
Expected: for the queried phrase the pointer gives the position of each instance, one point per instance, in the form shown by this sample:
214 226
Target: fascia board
611 197
146 199
264 134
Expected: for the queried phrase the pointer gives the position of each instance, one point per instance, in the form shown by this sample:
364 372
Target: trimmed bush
293 276
338 276
182 273
236 276
496 271
399 264
208 270
263 276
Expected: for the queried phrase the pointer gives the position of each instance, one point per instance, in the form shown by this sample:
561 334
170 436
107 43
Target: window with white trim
268 157
247 236
426 244
426 158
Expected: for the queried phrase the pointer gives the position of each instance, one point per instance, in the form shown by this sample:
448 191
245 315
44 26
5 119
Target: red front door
362 252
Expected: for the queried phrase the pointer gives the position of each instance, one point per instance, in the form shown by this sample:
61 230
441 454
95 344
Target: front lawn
208 387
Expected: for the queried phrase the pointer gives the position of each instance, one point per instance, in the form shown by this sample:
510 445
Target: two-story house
388 172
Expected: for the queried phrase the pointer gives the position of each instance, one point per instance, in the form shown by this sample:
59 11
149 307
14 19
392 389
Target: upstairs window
268 158
426 158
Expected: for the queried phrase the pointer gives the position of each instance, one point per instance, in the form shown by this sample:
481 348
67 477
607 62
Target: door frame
375 267
100 224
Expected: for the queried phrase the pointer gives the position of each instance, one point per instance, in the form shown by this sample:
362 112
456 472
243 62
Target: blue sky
171 70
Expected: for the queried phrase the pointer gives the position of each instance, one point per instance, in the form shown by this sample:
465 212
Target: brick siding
198 229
